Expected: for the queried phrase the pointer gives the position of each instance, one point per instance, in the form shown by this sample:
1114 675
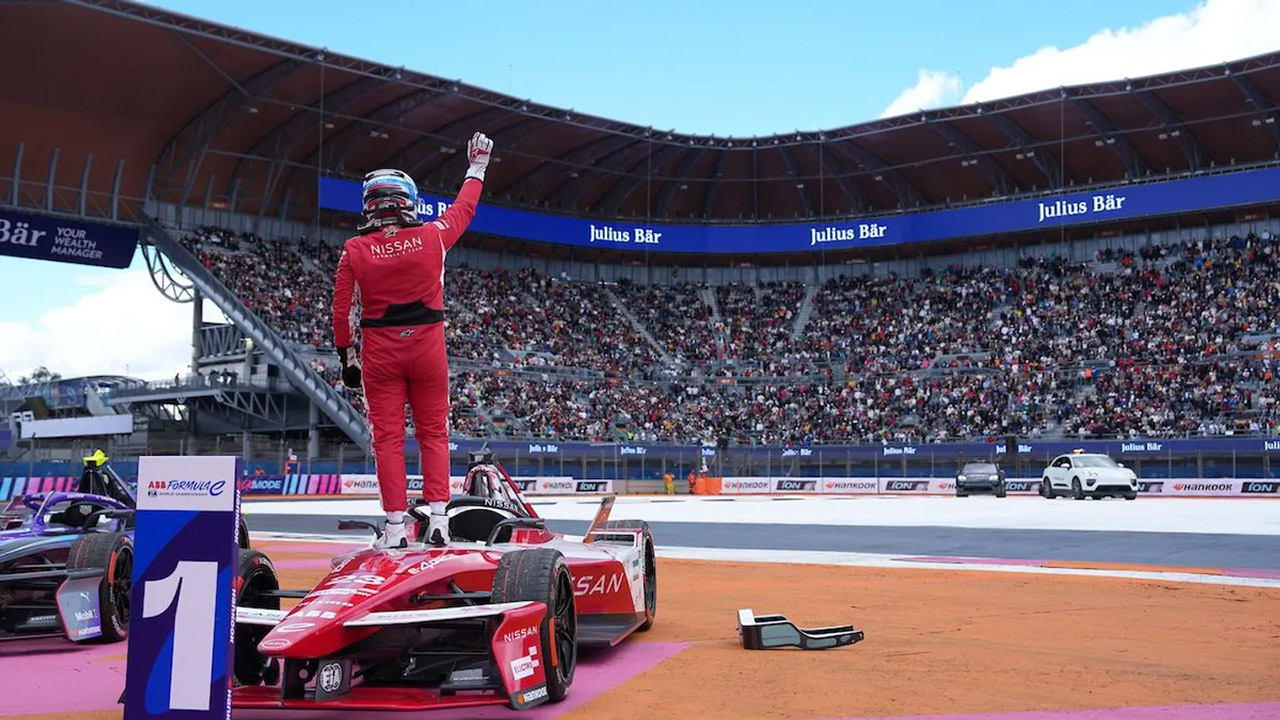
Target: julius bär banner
1236 189
43 237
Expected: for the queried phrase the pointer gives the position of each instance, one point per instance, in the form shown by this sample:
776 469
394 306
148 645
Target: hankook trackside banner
1237 189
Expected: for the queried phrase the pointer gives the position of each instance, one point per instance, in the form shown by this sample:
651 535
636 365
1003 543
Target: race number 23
193 585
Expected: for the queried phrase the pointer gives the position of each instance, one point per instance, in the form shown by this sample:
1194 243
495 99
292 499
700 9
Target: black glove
350 372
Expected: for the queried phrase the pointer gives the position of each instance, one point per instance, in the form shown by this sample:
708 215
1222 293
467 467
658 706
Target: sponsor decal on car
275 644
523 667
428 564
597 584
520 634
294 627
529 696
330 677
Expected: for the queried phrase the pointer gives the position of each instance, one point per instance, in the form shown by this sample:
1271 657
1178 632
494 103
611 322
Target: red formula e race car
494 618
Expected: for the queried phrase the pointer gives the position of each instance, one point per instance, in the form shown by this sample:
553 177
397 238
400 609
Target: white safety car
1082 475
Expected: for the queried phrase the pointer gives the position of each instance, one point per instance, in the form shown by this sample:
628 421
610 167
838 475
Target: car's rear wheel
113 553
1046 489
650 567
1077 492
257 578
542 575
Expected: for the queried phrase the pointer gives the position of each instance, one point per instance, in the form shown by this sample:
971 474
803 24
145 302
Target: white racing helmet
389 196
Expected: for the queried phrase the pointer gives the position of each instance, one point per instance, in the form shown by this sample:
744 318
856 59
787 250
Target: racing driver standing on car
392 273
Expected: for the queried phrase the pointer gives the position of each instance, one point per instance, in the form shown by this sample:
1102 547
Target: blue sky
719 67
725 68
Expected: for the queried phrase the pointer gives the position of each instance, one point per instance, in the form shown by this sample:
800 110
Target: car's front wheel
1046 489
542 574
255 583
113 554
1131 496
1001 491
1077 492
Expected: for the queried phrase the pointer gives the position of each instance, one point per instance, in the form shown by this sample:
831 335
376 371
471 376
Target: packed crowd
1149 342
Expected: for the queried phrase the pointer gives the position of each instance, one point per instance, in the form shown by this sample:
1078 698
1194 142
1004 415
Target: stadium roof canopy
187 111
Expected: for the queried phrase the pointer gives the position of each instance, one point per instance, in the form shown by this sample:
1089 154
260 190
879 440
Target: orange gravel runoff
939 642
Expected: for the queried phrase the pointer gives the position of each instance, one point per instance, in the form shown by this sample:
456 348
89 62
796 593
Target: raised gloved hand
350 368
479 148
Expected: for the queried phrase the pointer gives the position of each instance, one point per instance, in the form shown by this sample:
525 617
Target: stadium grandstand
1091 264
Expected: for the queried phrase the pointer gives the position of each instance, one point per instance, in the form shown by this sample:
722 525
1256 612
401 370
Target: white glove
479 148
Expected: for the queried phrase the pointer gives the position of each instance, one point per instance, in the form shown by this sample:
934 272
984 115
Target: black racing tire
650 568
243 536
1046 489
112 552
256 577
1077 492
542 575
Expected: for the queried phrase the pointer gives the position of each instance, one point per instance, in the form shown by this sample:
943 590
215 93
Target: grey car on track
980 477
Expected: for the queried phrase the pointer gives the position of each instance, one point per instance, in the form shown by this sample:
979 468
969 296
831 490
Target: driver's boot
393 537
438 529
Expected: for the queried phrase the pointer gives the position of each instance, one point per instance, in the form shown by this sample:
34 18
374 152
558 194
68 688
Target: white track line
850 559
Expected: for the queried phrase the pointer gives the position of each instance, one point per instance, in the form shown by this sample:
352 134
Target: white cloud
1212 32
932 89
121 325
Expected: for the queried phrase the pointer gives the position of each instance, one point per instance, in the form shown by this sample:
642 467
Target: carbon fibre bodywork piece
767 632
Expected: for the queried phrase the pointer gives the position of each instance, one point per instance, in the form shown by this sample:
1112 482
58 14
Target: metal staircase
265 338
638 326
802 315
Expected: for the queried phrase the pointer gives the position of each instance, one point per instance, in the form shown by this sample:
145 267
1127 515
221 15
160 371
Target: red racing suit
394 277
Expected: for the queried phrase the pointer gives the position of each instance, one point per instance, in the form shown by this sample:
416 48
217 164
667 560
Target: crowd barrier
361 484
946 486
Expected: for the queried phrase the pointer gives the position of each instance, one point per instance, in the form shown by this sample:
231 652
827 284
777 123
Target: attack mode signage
41 237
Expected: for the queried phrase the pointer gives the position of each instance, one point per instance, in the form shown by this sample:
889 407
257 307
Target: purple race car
66 559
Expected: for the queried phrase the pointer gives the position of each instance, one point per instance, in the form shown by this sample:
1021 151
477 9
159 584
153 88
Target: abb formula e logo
906 486
1261 488
788 485
597 584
